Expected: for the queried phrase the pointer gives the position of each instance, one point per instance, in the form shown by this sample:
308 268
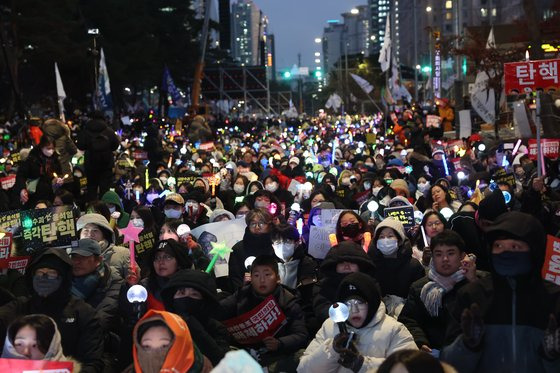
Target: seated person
163 343
275 352
96 282
377 335
426 312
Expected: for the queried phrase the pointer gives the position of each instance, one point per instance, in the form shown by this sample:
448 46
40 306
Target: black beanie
53 262
492 206
361 286
191 278
347 251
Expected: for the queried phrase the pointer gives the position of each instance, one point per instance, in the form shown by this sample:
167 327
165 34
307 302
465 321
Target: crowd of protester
457 289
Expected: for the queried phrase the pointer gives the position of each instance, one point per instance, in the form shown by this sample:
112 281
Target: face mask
163 180
333 187
172 213
367 185
262 204
48 152
376 190
138 223
272 187
284 250
351 230
241 215
112 209
45 286
387 246
511 263
238 188
345 181
150 197
189 306
78 175
423 187
369 165
192 208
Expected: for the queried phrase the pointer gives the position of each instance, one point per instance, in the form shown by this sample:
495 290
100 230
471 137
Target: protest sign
433 121
549 148
404 214
527 76
147 240
139 155
465 124
551 267
50 227
35 366
262 321
19 263
229 232
8 182
501 177
5 249
319 244
9 221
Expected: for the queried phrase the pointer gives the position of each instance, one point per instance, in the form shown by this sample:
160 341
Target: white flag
103 85
334 102
491 43
483 99
385 53
59 87
364 84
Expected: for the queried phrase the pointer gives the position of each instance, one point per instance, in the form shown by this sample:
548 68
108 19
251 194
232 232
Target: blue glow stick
445 165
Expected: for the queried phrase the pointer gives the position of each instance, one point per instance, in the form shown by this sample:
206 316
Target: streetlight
317 54
428 9
318 40
354 11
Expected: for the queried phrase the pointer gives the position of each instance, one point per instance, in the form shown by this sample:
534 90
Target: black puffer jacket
38 166
82 336
99 142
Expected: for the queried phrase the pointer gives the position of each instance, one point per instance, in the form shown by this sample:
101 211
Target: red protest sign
527 76
5 248
549 148
43 366
139 155
19 263
551 267
8 182
206 146
262 321
433 121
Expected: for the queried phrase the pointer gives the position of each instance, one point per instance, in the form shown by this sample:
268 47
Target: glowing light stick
219 250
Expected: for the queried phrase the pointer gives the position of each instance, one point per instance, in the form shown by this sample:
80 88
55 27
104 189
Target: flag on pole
491 43
364 84
483 99
104 100
169 86
385 53
334 102
60 93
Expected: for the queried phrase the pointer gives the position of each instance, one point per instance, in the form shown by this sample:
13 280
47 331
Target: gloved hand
339 343
551 341
472 326
351 359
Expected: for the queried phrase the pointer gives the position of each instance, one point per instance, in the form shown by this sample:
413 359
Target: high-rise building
247 29
378 11
333 39
225 24
357 31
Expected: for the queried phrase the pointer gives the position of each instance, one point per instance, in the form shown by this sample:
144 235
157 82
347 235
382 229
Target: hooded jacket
64 145
515 310
82 336
210 335
38 167
93 131
182 356
113 198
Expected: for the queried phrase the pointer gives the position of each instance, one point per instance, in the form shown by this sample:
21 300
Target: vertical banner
465 124
551 267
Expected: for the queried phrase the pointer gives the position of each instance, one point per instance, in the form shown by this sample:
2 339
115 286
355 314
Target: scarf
432 293
84 286
151 360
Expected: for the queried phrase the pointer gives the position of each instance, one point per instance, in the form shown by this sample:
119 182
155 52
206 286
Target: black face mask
190 306
351 230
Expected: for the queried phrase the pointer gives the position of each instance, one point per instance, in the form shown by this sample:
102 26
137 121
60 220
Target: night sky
296 23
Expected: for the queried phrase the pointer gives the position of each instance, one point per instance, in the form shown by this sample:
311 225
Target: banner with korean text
527 76
551 267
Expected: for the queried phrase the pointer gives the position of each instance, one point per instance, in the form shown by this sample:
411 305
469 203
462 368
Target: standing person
64 145
39 174
99 142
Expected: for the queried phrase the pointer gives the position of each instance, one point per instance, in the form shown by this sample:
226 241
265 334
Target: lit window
484 12
448 16
449 4
493 12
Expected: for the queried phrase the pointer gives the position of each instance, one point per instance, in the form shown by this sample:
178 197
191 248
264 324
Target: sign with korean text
404 214
261 322
503 177
551 267
147 242
9 220
139 155
549 148
5 249
51 227
19 263
527 76
206 146
433 121
35 366
8 182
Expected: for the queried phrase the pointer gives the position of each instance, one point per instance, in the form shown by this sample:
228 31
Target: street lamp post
415 53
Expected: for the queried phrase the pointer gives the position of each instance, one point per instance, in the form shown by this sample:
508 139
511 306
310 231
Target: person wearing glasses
256 241
370 335
433 223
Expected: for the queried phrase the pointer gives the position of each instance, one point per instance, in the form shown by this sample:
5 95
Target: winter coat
382 336
99 142
113 198
79 326
118 257
293 335
426 329
64 145
37 166
14 283
465 225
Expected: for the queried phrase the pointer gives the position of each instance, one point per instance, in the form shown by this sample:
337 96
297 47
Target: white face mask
387 246
238 188
423 187
345 181
112 209
376 190
138 223
163 180
262 204
48 152
283 250
172 213
272 187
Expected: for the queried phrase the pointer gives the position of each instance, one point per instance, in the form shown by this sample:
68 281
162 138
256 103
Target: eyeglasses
355 303
51 274
257 225
91 230
434 224
163 258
